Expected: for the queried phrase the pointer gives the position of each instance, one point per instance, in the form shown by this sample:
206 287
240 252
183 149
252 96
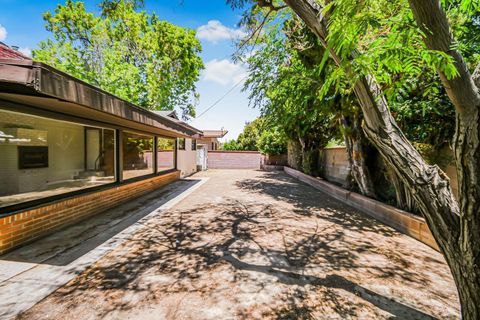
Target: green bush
231 145
272 142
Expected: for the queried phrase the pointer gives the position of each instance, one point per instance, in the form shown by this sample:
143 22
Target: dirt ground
260 245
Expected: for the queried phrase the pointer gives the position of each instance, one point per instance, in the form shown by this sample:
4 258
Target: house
193 153
11 53
210 138
186 146
70 150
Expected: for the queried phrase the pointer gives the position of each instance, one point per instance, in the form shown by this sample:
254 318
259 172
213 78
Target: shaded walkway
251 244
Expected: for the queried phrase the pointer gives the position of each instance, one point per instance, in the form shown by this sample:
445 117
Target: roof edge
49 81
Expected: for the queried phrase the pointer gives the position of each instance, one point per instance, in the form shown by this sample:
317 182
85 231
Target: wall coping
233 151
335 147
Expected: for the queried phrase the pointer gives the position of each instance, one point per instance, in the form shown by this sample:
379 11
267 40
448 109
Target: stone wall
294 155
275 160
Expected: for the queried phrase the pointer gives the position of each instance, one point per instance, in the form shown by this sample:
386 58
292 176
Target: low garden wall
334 166
223 159
403 221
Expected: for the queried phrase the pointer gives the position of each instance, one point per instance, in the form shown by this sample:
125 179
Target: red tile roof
9 53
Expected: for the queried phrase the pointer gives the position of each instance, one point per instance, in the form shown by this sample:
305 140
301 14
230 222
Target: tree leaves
126 52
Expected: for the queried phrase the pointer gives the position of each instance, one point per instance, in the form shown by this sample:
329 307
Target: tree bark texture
464 93
403 195
357 155
456 231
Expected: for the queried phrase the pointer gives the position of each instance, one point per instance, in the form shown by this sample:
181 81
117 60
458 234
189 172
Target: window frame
154 151
174 140
28 110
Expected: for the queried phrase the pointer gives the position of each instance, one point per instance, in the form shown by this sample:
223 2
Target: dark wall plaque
30 157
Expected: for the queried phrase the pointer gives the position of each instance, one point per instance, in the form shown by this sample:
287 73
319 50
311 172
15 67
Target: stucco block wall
333 162
334 165
187 159
22 227
234 160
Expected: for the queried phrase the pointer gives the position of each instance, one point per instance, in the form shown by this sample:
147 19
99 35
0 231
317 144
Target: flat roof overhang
34 84
214 133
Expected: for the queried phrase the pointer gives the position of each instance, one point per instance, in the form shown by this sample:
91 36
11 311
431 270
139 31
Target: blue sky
21 24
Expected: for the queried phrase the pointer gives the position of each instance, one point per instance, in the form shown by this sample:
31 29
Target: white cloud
3 33
26 51
215 31
224 72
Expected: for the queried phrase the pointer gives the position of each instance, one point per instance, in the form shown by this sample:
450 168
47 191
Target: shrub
272 142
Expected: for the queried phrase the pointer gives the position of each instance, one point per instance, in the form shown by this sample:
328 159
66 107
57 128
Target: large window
165 154
137 155
181 143
42 157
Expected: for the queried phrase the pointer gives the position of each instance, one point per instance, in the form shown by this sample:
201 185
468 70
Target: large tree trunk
357 155
431 187
456 231
463 91
403 195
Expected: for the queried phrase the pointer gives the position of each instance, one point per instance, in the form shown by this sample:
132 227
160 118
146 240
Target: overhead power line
221 98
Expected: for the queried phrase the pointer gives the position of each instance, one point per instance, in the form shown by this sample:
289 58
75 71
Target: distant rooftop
206 133
214 133
7 52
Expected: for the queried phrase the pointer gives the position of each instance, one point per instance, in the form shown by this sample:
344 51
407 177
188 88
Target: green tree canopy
285 82
248 139
272 142
126 52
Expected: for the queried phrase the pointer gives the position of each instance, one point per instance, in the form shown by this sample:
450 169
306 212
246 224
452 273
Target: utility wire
221 98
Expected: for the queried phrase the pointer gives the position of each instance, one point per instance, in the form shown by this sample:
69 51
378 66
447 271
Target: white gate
201 157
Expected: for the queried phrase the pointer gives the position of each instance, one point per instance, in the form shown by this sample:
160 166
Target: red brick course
22 227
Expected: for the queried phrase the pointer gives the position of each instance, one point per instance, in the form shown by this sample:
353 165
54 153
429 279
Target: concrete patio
229 244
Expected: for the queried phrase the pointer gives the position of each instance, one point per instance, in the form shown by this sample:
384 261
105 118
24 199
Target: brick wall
233 159
23 227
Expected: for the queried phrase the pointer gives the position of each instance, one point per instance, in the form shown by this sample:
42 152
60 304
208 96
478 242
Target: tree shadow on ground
307 201
246 239
64 246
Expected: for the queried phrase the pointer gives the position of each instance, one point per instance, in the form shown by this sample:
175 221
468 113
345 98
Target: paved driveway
250 244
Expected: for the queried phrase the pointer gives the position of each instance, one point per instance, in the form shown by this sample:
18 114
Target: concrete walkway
32 272
245 244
